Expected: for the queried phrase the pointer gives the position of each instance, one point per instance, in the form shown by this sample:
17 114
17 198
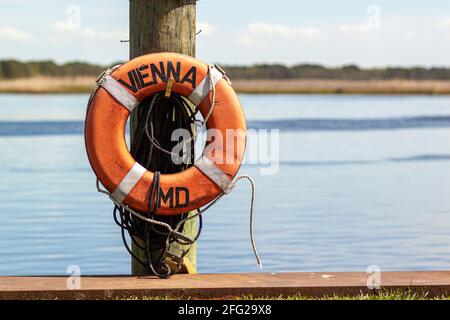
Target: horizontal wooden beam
202 286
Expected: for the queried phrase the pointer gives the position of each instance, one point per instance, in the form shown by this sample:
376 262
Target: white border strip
204 87
128 183
119 92
213 172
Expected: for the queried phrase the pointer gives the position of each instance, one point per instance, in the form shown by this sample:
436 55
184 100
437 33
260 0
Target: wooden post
160 26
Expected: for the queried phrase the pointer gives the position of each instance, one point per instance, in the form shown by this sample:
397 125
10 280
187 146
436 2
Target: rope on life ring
136 191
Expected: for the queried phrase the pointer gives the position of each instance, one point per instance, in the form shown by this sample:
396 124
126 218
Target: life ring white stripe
203 89
128 183
119 92
213 172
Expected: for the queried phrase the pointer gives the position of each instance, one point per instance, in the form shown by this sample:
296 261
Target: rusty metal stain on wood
222 285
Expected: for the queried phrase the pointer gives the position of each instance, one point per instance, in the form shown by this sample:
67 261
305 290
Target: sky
240 32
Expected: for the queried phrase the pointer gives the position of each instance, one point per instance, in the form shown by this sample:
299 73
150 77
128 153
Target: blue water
363 180
34 128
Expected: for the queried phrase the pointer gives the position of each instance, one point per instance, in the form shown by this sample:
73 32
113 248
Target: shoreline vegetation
79 77
85 84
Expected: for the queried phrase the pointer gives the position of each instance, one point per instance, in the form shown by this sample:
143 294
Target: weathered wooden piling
162 26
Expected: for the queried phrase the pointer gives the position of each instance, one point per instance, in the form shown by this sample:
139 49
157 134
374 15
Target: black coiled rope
157 117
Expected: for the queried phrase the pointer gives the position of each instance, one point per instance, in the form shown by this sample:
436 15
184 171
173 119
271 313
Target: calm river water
362 180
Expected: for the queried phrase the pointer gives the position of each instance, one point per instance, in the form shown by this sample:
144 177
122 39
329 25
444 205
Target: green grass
383 295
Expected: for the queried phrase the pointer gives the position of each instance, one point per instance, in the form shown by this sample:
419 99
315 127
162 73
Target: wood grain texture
207 286
162 26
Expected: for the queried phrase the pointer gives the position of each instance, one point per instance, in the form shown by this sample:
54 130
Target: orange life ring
121 91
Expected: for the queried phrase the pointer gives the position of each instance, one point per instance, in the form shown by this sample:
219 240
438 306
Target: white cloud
355 28
206 28
409 34
74 30
281 30
10 33
445 23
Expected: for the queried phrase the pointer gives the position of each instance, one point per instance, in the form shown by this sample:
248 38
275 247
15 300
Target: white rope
200 212
213 96
198 127
138 215
100 79
252 238
252 203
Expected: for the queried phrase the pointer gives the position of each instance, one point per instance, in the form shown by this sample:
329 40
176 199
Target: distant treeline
13 69
349 72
